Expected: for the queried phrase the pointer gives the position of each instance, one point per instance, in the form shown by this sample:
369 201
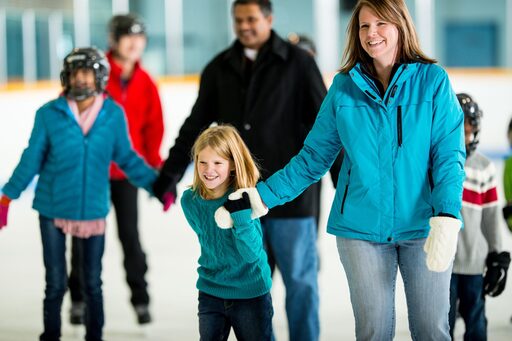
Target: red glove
4 210
168 200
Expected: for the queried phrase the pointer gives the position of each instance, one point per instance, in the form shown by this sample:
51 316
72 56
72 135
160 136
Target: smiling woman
379 39
398 120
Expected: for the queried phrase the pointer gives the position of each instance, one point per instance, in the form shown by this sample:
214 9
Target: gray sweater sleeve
491 214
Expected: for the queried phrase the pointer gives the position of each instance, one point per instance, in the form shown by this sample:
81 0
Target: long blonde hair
395 12
225 141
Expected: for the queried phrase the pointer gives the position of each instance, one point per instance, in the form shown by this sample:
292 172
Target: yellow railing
19 85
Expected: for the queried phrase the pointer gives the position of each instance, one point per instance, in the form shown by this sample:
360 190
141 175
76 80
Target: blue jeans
292 243
54 256
468 291
251 319
371 270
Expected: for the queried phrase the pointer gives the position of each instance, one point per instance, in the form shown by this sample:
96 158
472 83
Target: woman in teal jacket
397 118
74 139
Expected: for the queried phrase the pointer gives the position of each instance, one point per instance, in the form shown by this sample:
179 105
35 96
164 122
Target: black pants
124 198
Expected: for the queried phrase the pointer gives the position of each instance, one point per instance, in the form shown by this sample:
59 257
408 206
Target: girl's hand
258 209
4 210
238 204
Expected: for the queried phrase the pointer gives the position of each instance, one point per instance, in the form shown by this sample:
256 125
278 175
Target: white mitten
441 243
222 216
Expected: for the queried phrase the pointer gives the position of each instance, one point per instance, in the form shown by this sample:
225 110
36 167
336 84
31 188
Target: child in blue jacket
234 275
74 139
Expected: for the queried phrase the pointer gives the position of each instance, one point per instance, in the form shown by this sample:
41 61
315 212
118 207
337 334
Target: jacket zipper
399 124
346 192
391 94
84 178
368 80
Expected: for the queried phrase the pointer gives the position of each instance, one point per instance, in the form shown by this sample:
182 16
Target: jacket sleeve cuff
267 196
449 210
241 218
10 192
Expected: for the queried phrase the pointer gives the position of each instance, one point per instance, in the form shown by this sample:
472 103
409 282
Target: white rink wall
492 91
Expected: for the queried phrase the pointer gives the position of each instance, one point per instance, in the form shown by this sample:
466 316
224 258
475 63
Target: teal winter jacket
404 154
74 169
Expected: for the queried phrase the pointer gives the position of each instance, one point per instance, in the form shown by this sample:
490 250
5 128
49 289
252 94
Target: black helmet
472 115
85 58
125 24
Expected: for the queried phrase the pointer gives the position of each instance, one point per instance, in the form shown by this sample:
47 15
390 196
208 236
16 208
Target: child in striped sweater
479 244
234 276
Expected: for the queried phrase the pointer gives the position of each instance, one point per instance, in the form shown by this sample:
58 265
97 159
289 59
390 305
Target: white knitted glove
222 216
441 243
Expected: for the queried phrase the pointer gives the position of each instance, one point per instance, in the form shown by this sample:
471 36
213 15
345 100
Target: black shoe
76 313
143 315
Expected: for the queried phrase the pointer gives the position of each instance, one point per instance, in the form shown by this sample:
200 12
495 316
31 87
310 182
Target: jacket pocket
345 193
399 125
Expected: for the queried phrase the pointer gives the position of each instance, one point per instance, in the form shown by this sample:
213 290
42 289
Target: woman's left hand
441 243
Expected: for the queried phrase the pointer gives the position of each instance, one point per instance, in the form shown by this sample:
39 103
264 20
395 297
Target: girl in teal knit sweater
234 277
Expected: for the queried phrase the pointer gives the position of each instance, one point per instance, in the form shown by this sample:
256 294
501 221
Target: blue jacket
74 169
404 154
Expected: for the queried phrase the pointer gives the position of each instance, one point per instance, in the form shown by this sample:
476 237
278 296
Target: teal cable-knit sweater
233 263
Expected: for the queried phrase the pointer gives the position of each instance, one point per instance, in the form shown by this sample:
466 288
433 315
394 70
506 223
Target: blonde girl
234 277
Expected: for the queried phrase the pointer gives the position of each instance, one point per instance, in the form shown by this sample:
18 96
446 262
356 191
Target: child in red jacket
132 87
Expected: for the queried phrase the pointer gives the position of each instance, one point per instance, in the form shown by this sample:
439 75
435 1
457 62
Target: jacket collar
366 85
61 104
275 45
115 69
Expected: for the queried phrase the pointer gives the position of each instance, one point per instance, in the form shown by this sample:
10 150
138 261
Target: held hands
4 210
235 205
223 215
169 199
496 275
441 243
165 191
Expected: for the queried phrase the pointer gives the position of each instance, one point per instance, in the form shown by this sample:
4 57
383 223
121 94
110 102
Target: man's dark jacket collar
278 47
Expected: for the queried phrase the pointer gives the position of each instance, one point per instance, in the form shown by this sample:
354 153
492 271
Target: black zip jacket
273 105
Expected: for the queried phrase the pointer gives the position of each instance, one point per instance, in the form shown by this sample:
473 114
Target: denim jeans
468 291
371 270
292 241
124 198
54 256
251 319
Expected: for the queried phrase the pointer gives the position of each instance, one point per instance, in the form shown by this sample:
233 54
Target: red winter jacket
141 103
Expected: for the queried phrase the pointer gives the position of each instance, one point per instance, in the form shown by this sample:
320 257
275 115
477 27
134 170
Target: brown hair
395 12
225 141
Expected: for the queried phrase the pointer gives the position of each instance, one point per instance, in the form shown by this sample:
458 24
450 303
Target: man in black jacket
271 92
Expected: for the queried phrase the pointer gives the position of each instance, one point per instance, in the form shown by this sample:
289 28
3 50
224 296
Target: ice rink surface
172 248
